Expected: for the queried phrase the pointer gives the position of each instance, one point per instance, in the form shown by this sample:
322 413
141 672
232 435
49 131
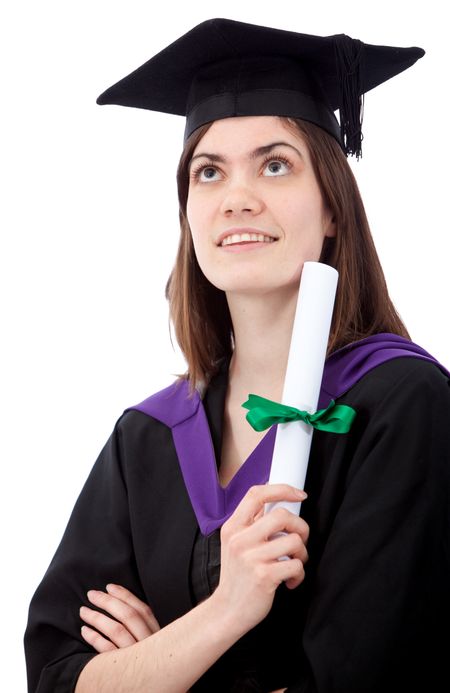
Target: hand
132 620
250 569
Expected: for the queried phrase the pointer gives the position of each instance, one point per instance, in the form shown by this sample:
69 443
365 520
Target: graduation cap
223 68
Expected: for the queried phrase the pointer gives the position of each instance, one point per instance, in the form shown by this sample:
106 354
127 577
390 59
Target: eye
205 173
208 173
276 166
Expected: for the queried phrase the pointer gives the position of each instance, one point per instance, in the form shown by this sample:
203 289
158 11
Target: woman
264 186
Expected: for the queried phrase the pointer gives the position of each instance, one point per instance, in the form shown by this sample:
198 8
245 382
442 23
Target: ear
329 228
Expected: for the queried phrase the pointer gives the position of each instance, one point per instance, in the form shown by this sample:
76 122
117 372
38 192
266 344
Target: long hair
199 311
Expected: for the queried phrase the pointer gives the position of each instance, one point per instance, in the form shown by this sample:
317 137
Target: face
254 205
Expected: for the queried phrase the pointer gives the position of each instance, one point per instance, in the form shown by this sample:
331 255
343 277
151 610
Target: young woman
171 517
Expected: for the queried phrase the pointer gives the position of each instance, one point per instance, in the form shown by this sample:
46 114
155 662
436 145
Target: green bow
336 418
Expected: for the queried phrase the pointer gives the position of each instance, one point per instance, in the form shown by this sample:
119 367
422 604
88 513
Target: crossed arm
131 620
134 651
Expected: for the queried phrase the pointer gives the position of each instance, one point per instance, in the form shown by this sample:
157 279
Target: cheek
190 212
197 212
307 219
193 223
198 225
308 224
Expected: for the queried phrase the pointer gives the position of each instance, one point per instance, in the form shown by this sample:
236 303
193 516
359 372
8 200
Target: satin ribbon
336 418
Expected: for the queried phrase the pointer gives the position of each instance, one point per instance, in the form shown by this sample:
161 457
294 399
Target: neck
262 330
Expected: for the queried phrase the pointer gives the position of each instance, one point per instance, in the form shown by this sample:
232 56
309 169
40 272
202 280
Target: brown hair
199 311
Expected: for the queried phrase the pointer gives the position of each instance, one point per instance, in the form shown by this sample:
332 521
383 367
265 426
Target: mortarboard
223 68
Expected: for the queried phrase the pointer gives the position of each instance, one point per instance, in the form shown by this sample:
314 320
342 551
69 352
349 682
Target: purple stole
185 416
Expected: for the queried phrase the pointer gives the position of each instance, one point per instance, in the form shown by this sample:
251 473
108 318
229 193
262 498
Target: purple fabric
212 503
348 365
171 405
185 415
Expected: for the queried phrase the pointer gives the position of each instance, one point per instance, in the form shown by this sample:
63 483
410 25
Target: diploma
304 372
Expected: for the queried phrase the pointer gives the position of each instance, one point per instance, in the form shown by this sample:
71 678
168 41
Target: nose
240 197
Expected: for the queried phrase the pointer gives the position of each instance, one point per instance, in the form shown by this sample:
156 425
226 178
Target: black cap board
223 68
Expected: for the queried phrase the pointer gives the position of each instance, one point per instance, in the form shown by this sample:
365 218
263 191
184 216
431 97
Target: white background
89 230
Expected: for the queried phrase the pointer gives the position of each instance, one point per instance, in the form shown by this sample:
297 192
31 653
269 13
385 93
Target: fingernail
301 494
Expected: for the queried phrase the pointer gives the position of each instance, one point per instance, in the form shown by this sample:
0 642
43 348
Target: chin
262 280
259 288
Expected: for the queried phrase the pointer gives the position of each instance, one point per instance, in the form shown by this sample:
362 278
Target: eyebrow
260 151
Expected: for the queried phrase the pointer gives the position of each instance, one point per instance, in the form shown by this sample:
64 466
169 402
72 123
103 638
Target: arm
176 656
108 536
129 620
97 540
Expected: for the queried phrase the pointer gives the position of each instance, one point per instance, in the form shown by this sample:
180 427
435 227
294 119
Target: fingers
127 619
141 607
252 538
280 520
290 572
277 522
268 551
257 496
273 535
291 545
127 616
97 641
117 634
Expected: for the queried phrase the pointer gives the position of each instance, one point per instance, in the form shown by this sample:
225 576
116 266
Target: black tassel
349 63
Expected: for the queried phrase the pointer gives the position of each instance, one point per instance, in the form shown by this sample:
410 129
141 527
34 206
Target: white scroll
307 353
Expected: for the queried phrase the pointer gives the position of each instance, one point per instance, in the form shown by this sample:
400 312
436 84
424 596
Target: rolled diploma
304 372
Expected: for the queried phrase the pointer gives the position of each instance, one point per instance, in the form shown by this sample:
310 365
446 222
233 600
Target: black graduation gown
372 614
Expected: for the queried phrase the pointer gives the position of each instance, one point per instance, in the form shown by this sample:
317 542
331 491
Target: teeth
246 237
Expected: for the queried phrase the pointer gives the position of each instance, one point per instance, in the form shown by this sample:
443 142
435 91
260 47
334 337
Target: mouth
244 238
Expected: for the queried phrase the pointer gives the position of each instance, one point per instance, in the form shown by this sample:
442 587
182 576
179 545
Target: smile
236 238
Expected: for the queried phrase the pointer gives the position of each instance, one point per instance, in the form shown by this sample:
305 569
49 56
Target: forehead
246 133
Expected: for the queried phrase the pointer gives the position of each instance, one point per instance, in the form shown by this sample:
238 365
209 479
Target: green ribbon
336 418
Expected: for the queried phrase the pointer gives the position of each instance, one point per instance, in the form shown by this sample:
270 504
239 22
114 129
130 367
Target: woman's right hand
251 546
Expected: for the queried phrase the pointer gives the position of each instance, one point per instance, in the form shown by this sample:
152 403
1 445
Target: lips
237 236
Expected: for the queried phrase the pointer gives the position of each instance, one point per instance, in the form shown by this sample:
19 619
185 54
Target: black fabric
223 68
372 614
204 574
